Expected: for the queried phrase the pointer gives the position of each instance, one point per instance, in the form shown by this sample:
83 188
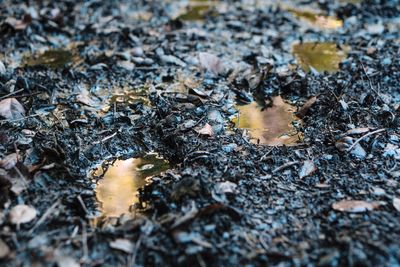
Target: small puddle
118 189
272 126
131 96
55 59
317 19
196 10
320 56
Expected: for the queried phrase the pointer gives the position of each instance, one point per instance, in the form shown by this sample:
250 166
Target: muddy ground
225 201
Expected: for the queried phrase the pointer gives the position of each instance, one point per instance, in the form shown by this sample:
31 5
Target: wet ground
200 133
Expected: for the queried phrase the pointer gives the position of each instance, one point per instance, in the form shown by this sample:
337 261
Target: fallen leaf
4 249
307 168
17 24
9 161
206 130
355 206
10 108
22 214
304 109
211 63
122 244
396 203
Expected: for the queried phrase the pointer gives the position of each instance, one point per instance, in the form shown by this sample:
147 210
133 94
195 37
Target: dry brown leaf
10 108
307 169
396 203
355 206
17 24
211 63
9 161
4 249
206 130
22 214
122 244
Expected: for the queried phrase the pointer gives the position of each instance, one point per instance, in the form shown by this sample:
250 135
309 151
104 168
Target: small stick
364 136
285 166
10 94
105 138
44 216
82 204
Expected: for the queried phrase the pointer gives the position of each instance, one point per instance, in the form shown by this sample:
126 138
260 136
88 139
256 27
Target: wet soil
329 199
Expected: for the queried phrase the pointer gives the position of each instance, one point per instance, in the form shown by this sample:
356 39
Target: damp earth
199 133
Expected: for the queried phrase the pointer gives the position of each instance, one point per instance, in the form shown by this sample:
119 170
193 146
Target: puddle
55 59
196 10
320 56
117 190
272 126
131 96
317 19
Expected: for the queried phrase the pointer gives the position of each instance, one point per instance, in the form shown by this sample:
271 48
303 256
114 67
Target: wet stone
117 190
319 56
273 126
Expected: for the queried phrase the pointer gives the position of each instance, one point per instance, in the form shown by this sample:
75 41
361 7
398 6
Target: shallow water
321 56
271 126
196 10
118 189
317 19
55 59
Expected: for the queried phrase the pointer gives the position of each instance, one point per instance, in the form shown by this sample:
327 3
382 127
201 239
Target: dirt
331 199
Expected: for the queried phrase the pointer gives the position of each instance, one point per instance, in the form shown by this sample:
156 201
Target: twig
364 136
82 204
284 166
44 216
10 94
105 138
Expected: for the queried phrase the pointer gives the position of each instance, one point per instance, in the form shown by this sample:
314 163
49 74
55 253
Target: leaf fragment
22 214
354 206
122 244
396 203
11 109
211 63
307 169
206 130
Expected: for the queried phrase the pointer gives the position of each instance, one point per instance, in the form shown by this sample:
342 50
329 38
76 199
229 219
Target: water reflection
319 20
131 96
321 56
117 190
271 126
196 10
51 58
